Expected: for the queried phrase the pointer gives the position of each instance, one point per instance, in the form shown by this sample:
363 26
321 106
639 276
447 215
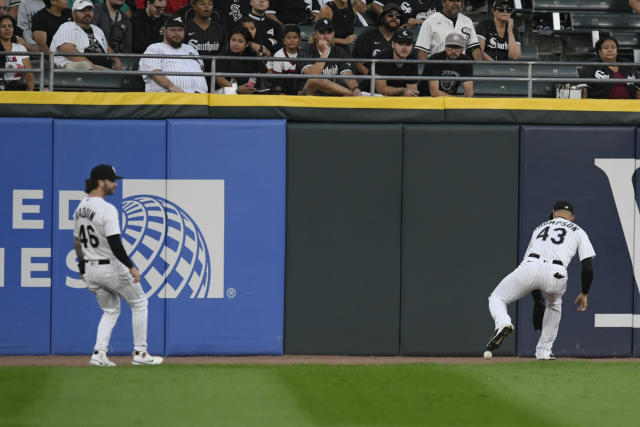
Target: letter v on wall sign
621 182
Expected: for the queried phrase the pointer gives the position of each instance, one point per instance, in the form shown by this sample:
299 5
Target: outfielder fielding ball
487 354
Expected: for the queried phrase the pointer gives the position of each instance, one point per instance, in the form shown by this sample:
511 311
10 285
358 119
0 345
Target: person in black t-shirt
401 48
46 22
289 11
375 40
203 33
454 44
239 46
232 12
148 25
117 28
268 32
321 46
497 37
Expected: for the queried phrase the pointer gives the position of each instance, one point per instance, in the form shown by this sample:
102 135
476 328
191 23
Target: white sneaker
144 358
99 358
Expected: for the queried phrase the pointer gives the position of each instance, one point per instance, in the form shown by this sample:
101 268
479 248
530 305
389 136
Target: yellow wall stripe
214 100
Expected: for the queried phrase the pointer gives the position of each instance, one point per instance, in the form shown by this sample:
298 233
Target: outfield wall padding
459 234
343 239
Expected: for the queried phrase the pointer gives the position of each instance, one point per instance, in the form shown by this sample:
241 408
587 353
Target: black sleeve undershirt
587 274
118 250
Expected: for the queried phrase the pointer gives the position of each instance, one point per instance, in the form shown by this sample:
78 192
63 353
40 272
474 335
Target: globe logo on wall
166 246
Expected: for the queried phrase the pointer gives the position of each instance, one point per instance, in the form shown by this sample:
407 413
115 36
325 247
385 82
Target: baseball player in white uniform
172 45
553 244
436 28
106 269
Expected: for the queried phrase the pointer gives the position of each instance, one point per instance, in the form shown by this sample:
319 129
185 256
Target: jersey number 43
557 238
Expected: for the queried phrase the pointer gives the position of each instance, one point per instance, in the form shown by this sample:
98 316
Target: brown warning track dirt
284 360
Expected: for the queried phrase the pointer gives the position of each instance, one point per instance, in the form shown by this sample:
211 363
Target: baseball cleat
550 357
144 358
99 358
498 336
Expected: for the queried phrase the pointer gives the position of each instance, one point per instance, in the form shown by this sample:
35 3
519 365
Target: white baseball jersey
72 33
560 239
553 244
186 83
280 67
107 278
437 27
94 220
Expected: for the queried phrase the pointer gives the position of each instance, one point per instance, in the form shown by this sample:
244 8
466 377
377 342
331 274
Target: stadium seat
595 20
88 81
627 40
580 5
486 89
529 53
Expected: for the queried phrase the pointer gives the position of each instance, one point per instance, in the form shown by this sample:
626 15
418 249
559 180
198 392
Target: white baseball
487 354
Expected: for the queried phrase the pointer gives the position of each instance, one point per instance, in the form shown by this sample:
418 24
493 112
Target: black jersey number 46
558 235
88 236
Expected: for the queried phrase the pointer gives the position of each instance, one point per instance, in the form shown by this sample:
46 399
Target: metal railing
372 77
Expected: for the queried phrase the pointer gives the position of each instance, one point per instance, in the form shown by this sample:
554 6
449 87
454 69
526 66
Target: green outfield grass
508 394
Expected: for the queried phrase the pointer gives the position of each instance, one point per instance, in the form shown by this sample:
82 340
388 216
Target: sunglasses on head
503 9
394 15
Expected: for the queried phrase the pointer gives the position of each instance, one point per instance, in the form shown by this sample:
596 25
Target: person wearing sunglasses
497 38
377 39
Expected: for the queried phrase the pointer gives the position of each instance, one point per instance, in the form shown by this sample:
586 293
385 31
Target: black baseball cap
563 205
324 24
175 21
104 172
389 7
403 36
497 3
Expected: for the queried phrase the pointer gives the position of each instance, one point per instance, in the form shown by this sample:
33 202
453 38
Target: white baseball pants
532 274
109 282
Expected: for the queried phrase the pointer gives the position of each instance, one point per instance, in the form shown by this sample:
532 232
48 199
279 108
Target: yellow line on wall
402 103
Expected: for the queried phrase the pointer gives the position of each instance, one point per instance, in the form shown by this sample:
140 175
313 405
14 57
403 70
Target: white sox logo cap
82 4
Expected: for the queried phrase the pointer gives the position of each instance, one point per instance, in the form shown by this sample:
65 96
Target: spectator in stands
343 14
415 11
607 50
4 8
268 32
148 24
401 48
375 40
634 5
9 7
232 12
13 80
115 25
46 22
27 9
172 44
291 40
239 46
289 11
204 34
439 25
497 38
454 45
81 36
321 46
258 48
316 6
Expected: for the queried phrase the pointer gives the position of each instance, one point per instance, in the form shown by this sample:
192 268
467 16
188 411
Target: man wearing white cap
82 36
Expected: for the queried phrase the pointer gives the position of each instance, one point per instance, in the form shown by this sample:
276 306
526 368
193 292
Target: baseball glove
538 313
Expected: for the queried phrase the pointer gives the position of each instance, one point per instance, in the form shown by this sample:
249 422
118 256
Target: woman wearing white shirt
13 80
